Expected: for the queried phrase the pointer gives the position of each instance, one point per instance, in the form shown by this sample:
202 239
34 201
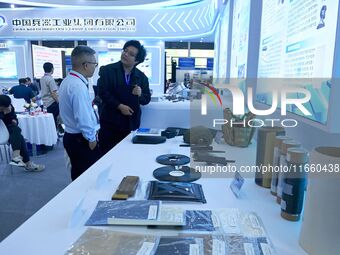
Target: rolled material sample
320 232
276 161
264 153
283 164
294 184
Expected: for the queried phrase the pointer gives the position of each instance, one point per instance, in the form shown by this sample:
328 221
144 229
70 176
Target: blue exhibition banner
186 63
210 63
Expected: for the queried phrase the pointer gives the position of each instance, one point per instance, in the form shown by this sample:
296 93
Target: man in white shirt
49 94
81 123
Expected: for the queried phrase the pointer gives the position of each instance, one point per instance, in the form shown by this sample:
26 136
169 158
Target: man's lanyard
95 113
127 79
76 75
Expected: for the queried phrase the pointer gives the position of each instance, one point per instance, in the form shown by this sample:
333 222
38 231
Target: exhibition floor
23 193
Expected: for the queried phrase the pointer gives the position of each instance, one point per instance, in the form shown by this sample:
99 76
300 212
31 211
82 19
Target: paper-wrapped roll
285 145
320 233
265 153
276 160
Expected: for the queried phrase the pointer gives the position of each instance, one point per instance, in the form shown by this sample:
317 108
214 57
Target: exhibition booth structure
244 162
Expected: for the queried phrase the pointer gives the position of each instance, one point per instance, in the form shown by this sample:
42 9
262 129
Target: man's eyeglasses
129 53
93 63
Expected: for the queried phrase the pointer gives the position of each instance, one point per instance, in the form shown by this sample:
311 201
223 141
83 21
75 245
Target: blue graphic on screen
293 47
108 57
186 63
8 65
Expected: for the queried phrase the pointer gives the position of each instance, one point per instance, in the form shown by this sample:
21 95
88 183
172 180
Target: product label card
237 184
266 249
219 137
194 249
146 248
152 212
218 247
248 249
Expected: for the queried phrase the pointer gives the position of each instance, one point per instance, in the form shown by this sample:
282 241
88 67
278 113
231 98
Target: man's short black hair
141 50
22 80
48 67
5 101
28 79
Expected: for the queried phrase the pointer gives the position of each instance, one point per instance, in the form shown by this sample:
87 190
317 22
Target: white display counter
60 222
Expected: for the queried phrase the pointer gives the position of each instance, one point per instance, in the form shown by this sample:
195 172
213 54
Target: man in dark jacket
33 86
122 88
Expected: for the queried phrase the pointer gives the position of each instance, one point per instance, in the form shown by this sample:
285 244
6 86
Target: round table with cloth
38 129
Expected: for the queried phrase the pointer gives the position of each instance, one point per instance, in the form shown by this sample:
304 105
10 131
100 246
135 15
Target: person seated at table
23 91
20 155
33 86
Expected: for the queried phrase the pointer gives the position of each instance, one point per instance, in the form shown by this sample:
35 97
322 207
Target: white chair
5 149
18 103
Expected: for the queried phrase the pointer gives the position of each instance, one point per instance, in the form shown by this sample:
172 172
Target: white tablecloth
38 129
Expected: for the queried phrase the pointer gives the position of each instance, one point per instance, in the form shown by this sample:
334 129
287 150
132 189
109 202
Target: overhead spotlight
12 6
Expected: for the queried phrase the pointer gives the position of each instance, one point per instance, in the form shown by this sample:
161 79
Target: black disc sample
172 174
173 159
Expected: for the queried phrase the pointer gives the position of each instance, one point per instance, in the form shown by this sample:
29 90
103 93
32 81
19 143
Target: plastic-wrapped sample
228 221
105 242
180 245
234 221
130 211
176 191
199 220
252 225
240 245
235 244
212 244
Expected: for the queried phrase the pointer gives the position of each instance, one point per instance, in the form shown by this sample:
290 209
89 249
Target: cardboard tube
320 232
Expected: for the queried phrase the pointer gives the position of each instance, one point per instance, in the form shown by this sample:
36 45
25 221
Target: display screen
8 66
239 41
146 66
222 73
108 57
40 55
297 42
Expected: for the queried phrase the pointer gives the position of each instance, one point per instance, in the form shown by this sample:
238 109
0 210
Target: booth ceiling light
99 4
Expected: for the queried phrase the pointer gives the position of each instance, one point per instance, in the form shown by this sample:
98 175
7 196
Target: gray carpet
23 193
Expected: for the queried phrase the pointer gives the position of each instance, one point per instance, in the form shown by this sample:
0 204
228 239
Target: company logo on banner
240 104
2 21
75 24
